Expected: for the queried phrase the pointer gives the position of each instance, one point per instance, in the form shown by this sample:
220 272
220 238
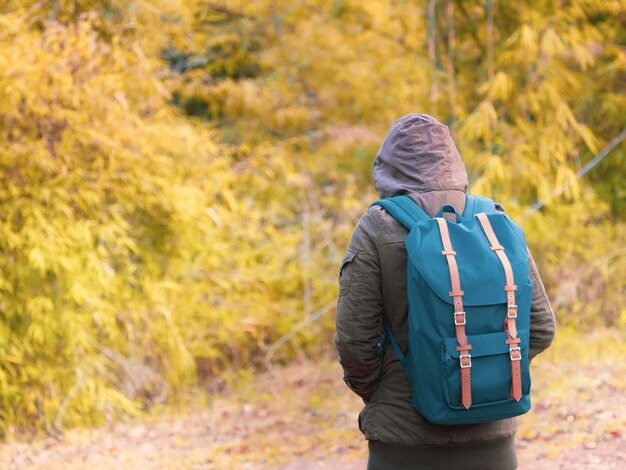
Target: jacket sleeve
359 310
542 319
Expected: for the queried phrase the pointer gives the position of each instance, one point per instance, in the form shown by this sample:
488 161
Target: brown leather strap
509 322
465 358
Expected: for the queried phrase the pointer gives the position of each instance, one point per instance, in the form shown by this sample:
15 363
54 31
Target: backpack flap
480 270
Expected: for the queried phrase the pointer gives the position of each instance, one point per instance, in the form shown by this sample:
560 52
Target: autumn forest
180 179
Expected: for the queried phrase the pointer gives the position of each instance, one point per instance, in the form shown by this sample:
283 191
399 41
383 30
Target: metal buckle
463 320
469 360
518 356
512 308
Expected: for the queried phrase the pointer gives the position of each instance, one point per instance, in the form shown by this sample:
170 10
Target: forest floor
303 417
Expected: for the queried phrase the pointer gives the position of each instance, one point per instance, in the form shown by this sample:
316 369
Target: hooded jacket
418 158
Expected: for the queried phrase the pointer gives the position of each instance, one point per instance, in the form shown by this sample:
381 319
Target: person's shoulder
370 221
387 229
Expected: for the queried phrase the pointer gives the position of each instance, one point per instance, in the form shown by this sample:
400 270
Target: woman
417 158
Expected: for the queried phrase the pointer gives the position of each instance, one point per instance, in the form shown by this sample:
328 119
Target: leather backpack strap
465 358
511 314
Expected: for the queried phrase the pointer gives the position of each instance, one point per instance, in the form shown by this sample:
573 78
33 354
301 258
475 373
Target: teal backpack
469 295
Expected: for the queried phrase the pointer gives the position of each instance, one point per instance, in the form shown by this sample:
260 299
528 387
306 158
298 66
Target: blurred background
180 180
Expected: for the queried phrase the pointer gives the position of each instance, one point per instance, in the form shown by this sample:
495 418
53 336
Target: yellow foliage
180 179
131 241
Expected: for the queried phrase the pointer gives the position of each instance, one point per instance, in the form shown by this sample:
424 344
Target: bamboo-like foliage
432 53
451 56
131 242
180 179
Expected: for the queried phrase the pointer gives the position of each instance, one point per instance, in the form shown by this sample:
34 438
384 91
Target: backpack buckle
511 311
468 363
462 321
515 354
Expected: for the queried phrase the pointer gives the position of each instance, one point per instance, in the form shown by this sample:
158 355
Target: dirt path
303 418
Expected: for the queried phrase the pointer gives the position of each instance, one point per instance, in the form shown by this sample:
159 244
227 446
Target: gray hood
419 158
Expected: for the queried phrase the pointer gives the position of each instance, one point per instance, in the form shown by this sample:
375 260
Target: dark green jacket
418 158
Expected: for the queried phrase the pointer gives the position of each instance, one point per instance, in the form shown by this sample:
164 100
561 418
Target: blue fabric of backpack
432 362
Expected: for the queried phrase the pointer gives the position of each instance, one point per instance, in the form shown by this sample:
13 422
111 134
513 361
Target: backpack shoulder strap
477 204
404 362
403 209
